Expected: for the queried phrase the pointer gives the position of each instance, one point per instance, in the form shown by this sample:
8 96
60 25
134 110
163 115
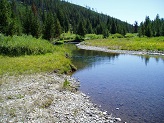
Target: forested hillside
50 18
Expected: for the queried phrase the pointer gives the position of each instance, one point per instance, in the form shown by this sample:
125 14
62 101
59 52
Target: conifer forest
50 18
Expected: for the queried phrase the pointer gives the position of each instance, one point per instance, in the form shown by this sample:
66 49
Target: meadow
133 43
27 55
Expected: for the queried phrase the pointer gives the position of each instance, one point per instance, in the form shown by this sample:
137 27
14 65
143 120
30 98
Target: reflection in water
90 58
85 58
133 84
147 57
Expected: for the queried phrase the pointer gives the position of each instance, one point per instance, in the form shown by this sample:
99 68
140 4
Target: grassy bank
43 57
35 63
136 44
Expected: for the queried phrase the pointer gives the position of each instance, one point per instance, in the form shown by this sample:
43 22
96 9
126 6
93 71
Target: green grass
93 36
24 45
51 59
66 84
70 36
67 36
136 43
35 63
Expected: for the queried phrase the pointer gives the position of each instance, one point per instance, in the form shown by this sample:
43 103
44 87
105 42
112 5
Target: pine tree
162 27
49 27
157 25
60 16
81 30
58 29
105 33
66 25
27 21
14 27
113 27
99 29
14 9
141 30
89 27
109 23
35 27
5 16
147 26
34 9
127 27
135 27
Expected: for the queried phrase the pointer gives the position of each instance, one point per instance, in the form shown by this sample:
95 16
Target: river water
128 86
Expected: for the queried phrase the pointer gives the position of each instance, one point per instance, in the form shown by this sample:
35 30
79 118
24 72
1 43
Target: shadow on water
128 86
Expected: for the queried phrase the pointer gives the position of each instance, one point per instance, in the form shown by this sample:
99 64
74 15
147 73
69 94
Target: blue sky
126 10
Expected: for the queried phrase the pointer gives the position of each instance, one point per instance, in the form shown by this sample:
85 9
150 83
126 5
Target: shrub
93 36
130 35
24 45
117 35
67 36
79 38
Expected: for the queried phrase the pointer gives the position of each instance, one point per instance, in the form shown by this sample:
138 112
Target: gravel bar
105 49
40 98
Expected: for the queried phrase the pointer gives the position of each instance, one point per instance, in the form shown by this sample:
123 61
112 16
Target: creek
128 86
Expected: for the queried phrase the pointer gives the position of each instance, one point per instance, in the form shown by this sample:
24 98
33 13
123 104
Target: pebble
41 99
105 113
117 108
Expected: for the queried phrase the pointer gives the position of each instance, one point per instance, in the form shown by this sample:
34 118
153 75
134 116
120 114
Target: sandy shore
41 98
105 49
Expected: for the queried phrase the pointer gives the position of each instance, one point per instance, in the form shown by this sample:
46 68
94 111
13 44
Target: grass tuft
66 84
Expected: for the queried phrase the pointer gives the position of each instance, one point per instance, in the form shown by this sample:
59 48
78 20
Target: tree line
152 28
49 18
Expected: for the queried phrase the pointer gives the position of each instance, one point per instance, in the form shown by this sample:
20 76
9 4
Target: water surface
128 86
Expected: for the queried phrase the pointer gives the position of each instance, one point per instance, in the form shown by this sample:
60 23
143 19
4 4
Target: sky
126 10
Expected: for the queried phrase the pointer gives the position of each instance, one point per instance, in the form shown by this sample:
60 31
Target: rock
111 121
105 113
117 108
118 119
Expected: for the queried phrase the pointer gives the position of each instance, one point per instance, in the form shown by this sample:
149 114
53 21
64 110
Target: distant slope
70 15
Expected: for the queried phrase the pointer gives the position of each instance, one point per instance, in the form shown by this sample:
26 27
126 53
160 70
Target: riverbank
42 98
105 49
135 45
